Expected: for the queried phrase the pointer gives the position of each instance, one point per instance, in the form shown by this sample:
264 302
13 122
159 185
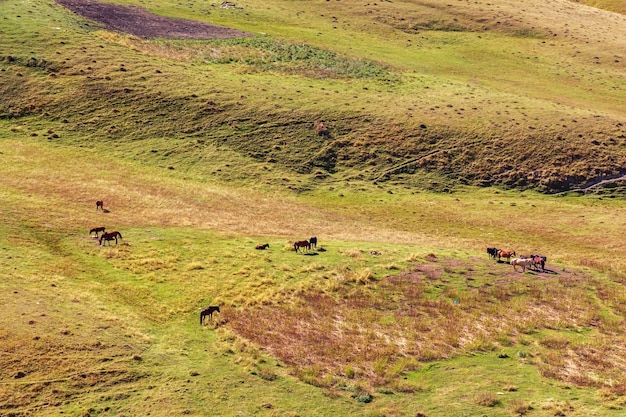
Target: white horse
523 262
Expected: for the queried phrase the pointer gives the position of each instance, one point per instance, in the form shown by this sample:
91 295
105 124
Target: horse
313 242
523 262
493 252
109 236
97 230
208 312
506 254
100 205
301 244
539 260
262 247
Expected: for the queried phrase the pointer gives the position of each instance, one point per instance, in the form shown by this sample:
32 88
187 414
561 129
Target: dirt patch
136 21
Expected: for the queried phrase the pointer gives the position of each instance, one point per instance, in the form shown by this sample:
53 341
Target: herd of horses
106 236
305 244
536 262
110 236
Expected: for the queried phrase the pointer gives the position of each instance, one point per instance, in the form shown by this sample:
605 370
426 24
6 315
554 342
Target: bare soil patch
136 21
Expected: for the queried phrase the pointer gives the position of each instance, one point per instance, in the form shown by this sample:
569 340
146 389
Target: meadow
202 149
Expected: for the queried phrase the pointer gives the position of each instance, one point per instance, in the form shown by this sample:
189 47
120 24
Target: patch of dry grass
404 317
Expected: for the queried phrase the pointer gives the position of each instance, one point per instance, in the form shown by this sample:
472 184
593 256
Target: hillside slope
424 94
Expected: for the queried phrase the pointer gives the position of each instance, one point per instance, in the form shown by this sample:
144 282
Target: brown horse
507 254
97 230
100 205
109 236
262 247
539 261
313 242
208 312
302 244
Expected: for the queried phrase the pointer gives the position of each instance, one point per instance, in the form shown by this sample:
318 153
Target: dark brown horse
208 312
493 252
100 205
97 230
262 247
109 236
313 242
301 244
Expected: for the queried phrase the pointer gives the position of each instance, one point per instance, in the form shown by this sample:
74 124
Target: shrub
405 387
266 374
554 342
363 397
519 407
487 399
350 372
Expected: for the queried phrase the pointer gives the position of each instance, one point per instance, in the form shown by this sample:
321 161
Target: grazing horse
313 242
493 252
208 312
301 244
506 254
100 205
109 236
97 230
523 262
539 261
262 247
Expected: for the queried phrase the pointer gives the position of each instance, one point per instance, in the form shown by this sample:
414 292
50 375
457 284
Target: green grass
187 244
468 105
203 149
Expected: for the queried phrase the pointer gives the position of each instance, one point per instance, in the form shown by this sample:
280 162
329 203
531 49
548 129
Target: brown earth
138 22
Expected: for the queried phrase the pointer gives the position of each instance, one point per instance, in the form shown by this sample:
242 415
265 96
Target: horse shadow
311 254
106 210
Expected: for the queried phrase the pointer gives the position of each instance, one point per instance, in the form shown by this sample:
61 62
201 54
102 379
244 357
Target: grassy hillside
202 149
612 5
480 94
426 325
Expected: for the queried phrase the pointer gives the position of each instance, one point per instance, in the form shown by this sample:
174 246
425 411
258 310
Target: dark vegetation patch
268 54
138 22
